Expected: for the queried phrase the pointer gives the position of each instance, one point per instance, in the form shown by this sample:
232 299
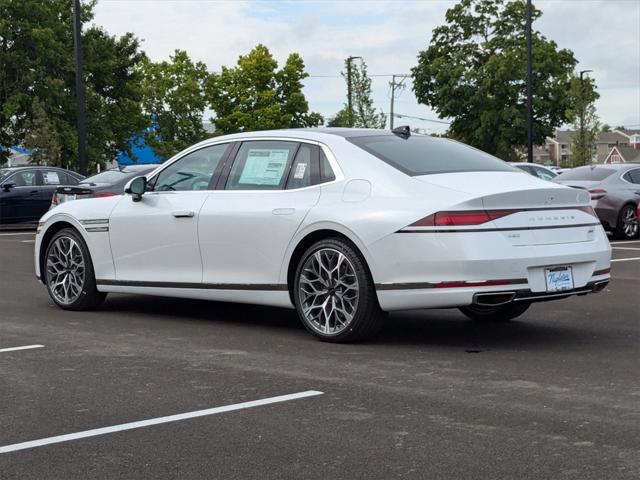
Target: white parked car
341 224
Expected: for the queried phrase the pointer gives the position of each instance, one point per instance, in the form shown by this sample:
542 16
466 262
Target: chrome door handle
283 211
183 213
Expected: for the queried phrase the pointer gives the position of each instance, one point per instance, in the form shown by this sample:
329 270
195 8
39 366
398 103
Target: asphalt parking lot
553 395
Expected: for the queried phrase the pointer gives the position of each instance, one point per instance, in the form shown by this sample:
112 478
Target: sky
603 34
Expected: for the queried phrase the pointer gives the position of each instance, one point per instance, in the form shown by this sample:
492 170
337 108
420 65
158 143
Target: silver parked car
615 194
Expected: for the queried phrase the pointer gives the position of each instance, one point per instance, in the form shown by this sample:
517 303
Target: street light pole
80 113
349 90
529 89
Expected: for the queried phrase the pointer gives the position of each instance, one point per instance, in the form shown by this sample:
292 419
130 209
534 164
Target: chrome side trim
194 285
97 229
97 221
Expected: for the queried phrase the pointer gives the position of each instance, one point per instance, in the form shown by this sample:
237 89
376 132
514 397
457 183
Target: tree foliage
584 120
41 137
474 72
364 114
173 97
255 95
37 58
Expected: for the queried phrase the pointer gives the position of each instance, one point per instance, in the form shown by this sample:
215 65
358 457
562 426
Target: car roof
615 166
304 134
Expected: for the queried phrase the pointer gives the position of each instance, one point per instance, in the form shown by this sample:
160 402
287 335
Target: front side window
262 165
543 173
26 178
194 171
422 155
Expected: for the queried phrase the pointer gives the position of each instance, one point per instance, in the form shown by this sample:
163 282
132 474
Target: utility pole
349 90
583 106
80 118
394 85
529 89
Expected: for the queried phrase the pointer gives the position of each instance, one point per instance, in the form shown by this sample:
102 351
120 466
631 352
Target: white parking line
18 233
625 248
625 259
155 421
15 349
27 241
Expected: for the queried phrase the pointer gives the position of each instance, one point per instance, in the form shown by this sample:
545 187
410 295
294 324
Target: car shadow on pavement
447 328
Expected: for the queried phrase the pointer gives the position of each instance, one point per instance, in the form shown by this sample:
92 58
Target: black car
25 192
104 184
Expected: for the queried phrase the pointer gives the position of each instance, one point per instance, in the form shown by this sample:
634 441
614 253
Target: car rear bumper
424 270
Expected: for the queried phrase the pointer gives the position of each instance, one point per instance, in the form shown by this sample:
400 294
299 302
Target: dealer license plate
558 279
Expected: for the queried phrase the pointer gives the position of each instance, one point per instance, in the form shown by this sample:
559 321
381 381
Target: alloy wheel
630 222
328 289
65 270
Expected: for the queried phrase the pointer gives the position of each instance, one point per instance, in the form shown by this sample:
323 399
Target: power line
376 75
402 115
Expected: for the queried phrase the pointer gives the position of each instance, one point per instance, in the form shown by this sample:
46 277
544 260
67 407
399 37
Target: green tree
605 128
363 114
474 73
255 95
36 54
340 119
41 137
585 121
173 97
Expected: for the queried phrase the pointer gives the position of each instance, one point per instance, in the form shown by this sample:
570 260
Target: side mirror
136 188
8 186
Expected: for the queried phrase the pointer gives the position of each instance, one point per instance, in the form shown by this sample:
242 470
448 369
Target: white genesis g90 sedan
343 225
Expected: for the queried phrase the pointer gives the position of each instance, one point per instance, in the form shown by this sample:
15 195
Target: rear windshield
586 173
114 176
421 155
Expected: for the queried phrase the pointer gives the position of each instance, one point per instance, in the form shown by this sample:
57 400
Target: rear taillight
597 193
588 210
54 199
461 218
103 194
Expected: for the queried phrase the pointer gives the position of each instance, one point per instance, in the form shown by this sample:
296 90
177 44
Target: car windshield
422 155
594 174
114 175
4 173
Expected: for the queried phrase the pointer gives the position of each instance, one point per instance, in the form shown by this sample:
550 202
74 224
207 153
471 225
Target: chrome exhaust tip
493 299
601 285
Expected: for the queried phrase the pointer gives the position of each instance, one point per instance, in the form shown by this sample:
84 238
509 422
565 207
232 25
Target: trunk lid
544 212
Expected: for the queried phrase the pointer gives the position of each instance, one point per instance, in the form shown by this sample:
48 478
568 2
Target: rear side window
420 155
633 176
303 172
262 165
326 172
594 174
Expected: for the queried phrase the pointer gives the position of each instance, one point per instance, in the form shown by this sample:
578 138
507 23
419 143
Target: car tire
627 225
68 272
501 313
334 293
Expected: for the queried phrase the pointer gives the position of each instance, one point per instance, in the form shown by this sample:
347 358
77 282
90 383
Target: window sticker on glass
300 169
51 178
264 166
